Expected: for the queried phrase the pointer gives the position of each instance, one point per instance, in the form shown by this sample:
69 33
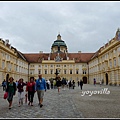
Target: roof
59 43
38 57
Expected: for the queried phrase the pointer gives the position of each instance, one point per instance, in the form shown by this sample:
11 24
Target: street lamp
56 73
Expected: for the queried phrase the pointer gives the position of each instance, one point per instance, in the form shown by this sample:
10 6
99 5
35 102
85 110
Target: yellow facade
48 68
106 65
11 64
103 65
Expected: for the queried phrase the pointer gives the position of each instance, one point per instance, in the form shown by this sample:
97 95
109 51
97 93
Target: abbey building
103 64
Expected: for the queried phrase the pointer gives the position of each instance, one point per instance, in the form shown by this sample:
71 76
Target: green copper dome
59 42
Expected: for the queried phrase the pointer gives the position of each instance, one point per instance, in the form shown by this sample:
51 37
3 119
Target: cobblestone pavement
69 103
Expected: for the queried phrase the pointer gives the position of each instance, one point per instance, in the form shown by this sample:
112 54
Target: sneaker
9 107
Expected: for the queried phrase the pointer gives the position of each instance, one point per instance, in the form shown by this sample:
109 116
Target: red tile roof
38 57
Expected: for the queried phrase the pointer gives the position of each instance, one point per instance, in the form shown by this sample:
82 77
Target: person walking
78 83
94 82
11 89
58 83
73 84
30 88
70 84
20 86
100 82
4 83
64 83
40 88
81 84
54 84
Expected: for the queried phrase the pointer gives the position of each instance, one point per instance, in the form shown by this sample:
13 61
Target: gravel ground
70 103
99 105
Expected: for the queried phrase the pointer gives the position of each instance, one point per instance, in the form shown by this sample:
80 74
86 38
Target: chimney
79 51
6 41
40 51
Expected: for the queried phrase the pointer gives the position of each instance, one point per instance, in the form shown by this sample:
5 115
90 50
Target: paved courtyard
91 102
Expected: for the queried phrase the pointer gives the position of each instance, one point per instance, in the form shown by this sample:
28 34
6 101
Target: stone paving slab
69 103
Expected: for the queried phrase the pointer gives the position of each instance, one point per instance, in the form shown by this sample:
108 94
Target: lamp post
56 73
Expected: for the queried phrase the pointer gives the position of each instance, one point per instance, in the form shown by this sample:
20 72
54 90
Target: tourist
11 89
40 88
20 86
30 88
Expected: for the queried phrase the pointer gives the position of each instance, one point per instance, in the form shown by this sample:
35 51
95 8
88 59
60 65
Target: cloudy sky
33 26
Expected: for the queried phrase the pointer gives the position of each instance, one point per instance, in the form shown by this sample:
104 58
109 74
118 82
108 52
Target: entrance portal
106 76
84 80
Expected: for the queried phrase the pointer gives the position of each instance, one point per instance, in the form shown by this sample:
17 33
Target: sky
84 26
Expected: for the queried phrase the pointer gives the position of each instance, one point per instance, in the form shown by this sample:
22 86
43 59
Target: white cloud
33 26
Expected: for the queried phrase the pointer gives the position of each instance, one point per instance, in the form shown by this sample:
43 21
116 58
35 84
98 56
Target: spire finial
59 36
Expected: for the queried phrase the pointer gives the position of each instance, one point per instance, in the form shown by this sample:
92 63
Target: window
70 65
110 64
51 71
119 61
84 65
45 71
32 65
64 71
57 65
84 71
31 71
59 71
114 62
3 64
76 71
45 65
39 71
70 71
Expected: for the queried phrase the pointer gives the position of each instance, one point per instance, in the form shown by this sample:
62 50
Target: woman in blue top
40 88
4 83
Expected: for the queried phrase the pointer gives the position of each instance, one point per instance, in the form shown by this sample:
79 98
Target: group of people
62 83
32 86
100 82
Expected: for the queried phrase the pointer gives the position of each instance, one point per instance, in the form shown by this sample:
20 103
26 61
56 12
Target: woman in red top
30 88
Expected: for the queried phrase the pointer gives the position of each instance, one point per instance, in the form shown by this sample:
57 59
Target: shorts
40 94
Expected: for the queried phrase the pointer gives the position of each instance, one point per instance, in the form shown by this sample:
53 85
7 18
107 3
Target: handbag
5 95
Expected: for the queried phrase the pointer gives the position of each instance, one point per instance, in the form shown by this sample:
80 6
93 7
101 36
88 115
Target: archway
106 76
85 80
